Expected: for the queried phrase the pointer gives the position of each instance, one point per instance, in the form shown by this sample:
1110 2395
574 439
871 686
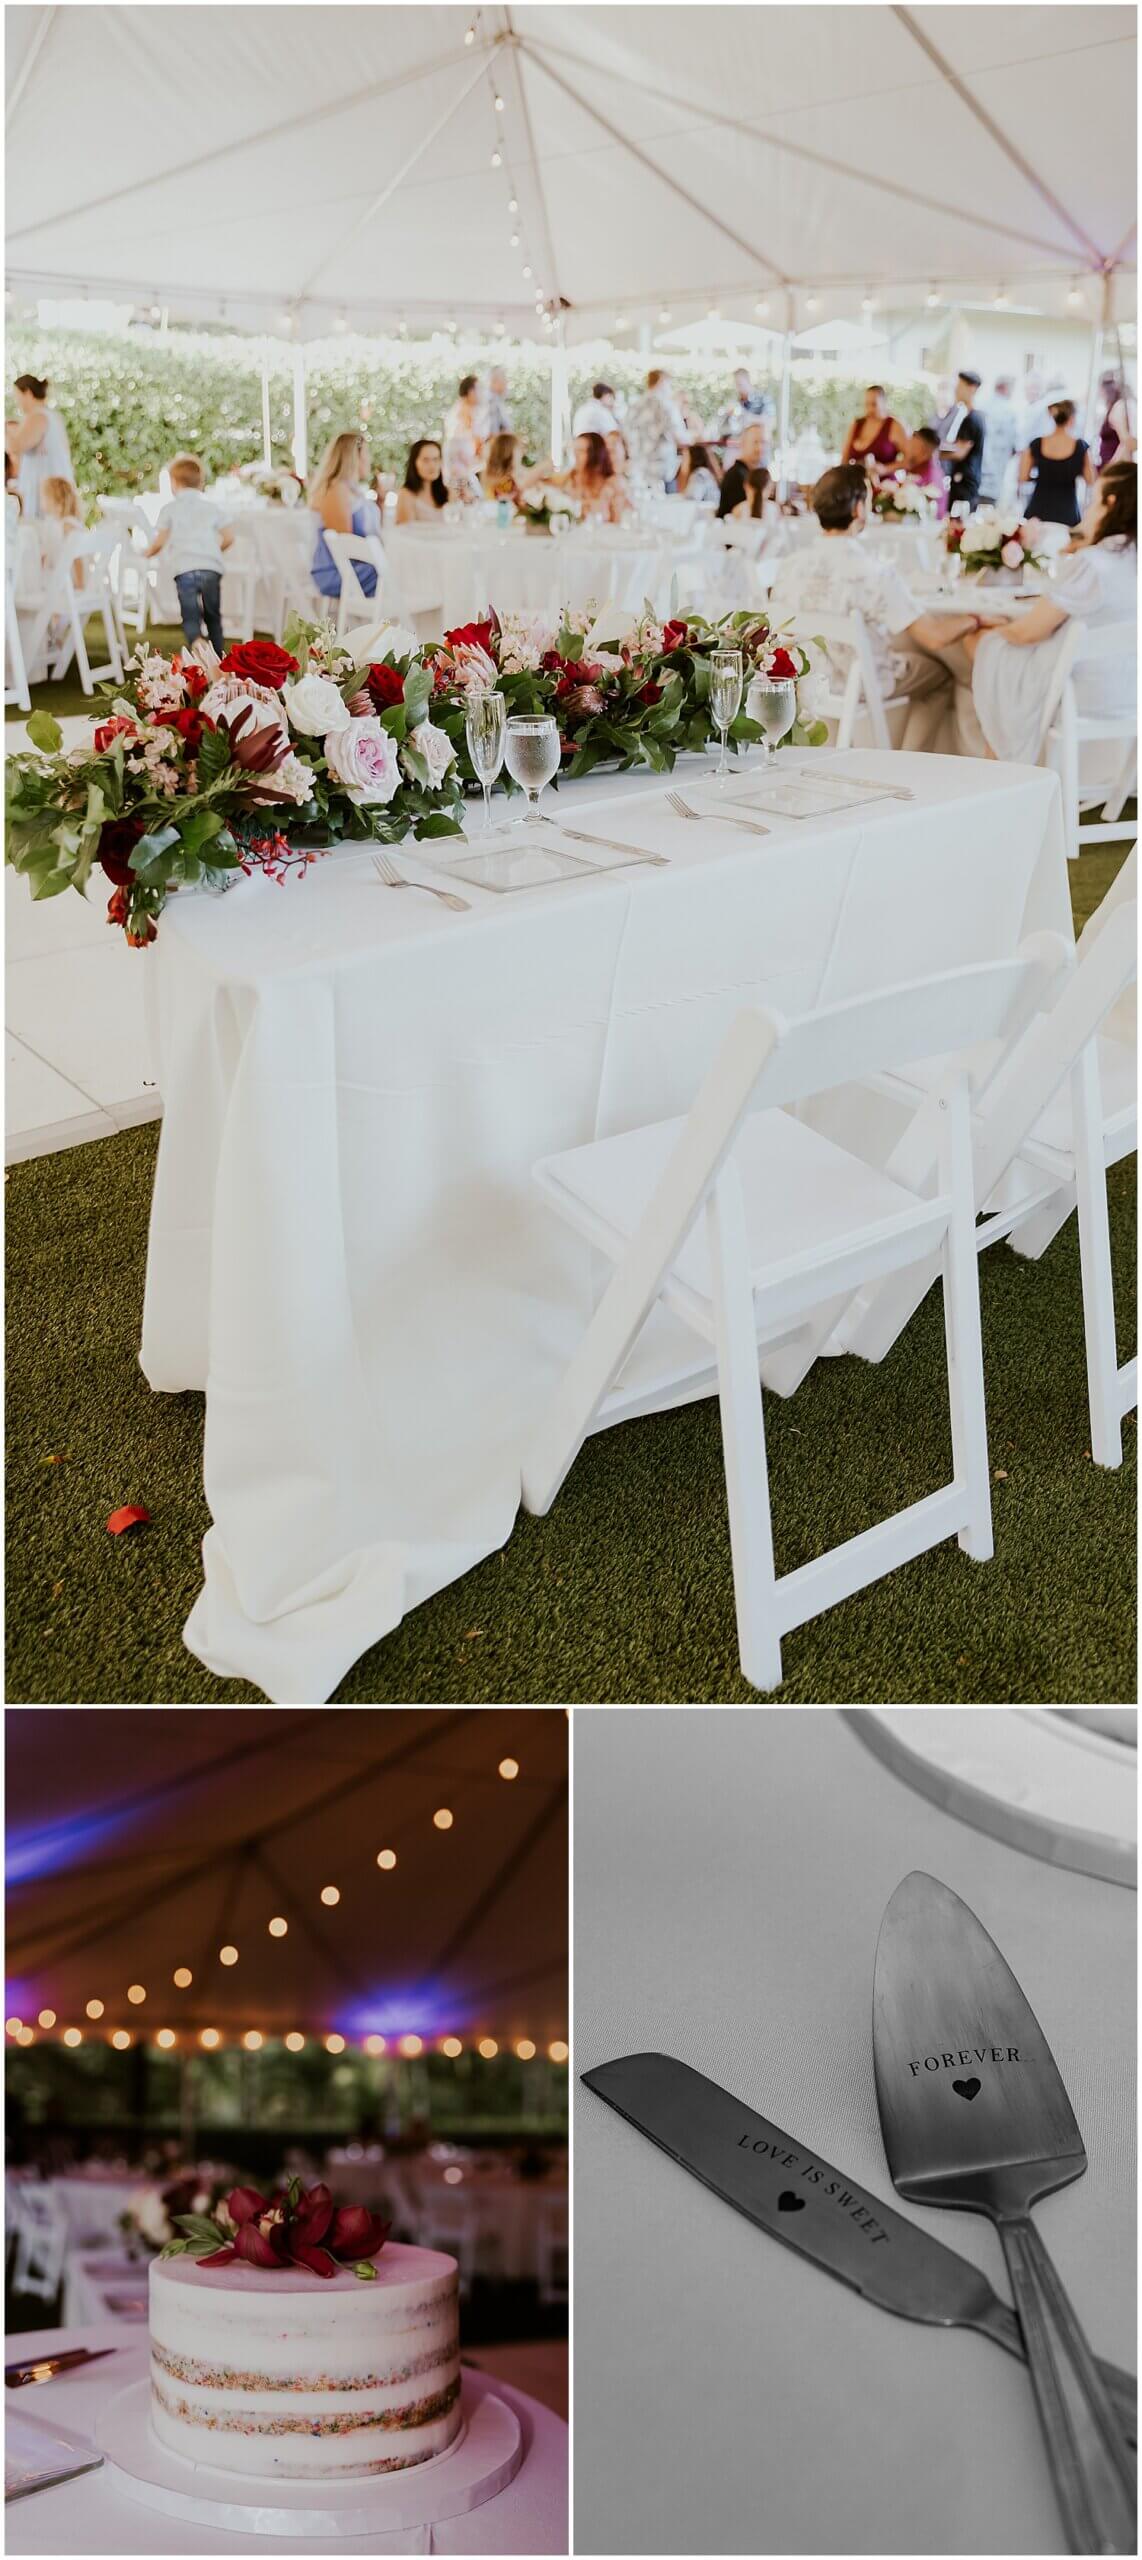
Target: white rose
437 750
1012 555
379 640
315 706
363 759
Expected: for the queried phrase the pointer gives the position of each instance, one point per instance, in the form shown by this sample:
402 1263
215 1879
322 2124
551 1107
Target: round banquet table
453 576
92 2514
731 1869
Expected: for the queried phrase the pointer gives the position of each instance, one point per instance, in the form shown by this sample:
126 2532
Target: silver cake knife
798 2198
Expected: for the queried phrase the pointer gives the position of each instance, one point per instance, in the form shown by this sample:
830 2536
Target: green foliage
129 403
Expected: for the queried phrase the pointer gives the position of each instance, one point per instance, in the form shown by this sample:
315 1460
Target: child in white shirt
197 534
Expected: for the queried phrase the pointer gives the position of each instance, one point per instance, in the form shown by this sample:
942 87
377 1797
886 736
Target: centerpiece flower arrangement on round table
204 769
902 501
995 539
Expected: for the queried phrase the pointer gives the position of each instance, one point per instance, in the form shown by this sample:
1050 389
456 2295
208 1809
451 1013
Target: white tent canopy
258 162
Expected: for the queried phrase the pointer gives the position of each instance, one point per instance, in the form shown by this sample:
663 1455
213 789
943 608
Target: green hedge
129 403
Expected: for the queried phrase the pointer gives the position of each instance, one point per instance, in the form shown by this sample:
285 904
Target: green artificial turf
624 1592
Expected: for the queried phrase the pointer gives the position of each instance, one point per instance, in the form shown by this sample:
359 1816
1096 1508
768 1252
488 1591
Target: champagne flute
773 704
485 726
532 756
725 699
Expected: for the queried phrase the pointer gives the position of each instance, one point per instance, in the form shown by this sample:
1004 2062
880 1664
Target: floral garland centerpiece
994 540
202 769
626 691
543 503
899 500
301 2227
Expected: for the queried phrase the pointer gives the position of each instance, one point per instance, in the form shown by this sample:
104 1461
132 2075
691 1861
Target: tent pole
558 392
267 444
786 392
1098 342
300 419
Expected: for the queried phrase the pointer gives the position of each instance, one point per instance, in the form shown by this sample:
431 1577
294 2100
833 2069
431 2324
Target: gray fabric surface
731 1869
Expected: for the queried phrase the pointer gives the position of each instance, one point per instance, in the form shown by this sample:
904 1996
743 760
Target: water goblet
485 727
725 699
532 756
772 702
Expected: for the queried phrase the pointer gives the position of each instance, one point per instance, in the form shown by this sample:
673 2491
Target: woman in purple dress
876 439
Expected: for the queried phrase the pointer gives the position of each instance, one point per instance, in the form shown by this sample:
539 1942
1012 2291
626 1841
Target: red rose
650 693
109 730
471 635
674 636
194 677
259 662
384 687
118 839
781 666
190 725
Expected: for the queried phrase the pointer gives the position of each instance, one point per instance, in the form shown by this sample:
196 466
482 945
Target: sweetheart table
346 1248
92 2513
454 574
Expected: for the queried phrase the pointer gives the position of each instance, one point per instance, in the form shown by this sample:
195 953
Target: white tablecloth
730 1873
454 576
93 2205
346 1248
508 2213
92 2514
101 2285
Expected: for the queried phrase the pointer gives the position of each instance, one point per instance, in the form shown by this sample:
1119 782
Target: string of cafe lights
501 159
408 2048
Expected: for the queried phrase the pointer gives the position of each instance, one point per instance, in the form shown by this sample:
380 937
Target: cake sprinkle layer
227 2378
419 2414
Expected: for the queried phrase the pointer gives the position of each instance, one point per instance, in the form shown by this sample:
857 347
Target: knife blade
43 2368
801 2200
975 2117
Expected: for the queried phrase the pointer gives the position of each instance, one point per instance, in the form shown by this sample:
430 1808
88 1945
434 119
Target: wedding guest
1000 440
497 417
598 415
422 492
1013 664
961 443
619 451
60 516
192 529
464 441
698 475
337 493
656 429
36 442
746 405
1117 441
593 481
876 437
1054 464
922 464
747 481
841 575
1032 416
503 475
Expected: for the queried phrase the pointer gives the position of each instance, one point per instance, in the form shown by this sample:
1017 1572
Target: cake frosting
275 2371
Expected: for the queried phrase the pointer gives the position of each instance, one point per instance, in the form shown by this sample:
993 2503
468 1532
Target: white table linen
509 2213
346 1247
99 2285
93 2205
452 576
93 2514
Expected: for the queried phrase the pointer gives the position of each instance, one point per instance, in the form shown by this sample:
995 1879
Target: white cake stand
484 2457
1060 1788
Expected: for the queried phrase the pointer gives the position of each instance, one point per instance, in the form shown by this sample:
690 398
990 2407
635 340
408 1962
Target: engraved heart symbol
966 2088
789 2203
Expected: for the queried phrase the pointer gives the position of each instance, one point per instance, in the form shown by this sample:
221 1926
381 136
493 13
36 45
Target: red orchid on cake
301 2227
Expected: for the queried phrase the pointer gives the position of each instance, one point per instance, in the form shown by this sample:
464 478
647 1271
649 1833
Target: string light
509 1768
12 2026
498 104
27 2035
558 2051
452 2047
527 271
386 1858
182 1977
279 1928
227 1955
868 302
1002 299
166 2037
72 2035
497 158
410 2046
252 2040
933 298
135 1993
442 1818
813 302
294 2042
95 2008
470 33
121 2040
330 1893
335 2044
713 313
210 2038
375 2044
1074 297
664 317
525 2049
488 2048
47 2017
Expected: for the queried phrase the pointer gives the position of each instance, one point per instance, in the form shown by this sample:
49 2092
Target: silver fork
721 817
394 879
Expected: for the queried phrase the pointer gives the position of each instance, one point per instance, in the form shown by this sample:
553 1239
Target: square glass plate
529 863
37 2455
803 797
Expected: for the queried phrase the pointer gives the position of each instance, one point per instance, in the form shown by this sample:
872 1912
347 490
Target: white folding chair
134 579
15 670
860 694
552 2266
1066 731
41 2243
58 633
742 1220
1053 1110
239 590
353 605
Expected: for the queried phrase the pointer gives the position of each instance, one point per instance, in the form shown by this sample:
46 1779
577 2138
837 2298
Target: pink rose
1012 555
363 759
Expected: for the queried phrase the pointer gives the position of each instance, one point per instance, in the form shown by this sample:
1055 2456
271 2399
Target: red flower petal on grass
132 1516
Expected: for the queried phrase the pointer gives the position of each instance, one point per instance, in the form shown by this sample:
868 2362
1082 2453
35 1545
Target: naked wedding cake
287 2367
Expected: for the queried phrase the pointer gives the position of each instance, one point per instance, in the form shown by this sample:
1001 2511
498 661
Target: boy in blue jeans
195 533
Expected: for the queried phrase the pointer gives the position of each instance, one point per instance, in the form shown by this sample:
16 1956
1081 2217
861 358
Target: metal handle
1001 2324
1093 2473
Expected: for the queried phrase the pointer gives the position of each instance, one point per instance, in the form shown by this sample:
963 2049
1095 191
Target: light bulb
497 158
294 2043
330 1894
47 2017
182 1977
252 2040
411 2046
210 2038
135 1992
386 1858
499 106
374 2044
120 2040
227 1955
509 1768
525 2049
335 2044
442 1818
452 2047
557 2051
663 317
166 2037
95 2008
72 2035
278 1928
12 2026
488 2048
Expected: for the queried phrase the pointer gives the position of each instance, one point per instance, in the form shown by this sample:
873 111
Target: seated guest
697 475
619 451
841 575
59 516
422 492
875 438
464 441
1054 464
503 475
337 496
742 491
596 416
922 464
1012 664
592 479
